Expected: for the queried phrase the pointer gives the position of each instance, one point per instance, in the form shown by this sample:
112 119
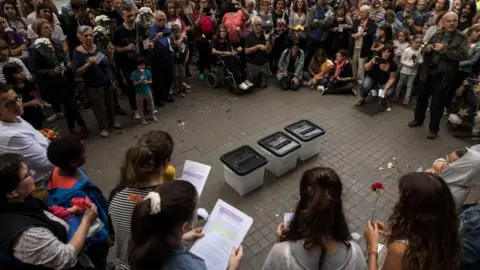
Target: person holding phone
382 73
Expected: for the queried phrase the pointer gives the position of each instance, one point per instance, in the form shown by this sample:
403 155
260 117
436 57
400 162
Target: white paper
340 28
356 236
226 228
287 218
145 43
381 93
99 57
196 173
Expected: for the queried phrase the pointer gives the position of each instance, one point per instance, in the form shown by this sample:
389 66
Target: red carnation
377 186
81 203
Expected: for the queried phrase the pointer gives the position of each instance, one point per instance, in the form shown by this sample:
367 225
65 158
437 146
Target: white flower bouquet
145 17
101 34
103 20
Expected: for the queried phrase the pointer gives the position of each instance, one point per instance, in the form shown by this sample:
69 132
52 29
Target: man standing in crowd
377 12
108 10
319 19
257 49
128 41
443 53
162 63
408 17
79 18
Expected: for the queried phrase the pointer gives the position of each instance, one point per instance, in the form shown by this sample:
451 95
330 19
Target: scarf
338 67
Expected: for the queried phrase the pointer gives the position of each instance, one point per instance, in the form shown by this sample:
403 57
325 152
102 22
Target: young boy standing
142 79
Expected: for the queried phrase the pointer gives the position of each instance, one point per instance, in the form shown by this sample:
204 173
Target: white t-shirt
57 33
33 16
21 138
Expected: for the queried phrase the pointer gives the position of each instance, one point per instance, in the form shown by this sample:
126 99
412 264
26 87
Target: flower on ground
377 186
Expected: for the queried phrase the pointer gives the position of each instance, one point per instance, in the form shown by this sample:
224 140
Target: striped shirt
120 210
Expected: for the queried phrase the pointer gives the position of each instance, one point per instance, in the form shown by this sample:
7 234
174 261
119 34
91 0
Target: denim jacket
284 61
470 231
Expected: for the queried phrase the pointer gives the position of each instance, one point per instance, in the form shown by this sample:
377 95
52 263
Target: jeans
369 84
409 80
287 84
322 81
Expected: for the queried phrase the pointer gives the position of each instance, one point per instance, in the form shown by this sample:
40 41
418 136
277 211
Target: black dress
31 114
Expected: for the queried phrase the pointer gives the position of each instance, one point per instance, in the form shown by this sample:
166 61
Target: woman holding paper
318 236
160 228
92 63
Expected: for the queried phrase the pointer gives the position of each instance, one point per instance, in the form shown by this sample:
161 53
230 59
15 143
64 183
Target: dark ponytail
152 234
148 158
319 216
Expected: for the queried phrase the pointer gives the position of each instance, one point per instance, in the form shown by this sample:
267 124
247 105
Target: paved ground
357 143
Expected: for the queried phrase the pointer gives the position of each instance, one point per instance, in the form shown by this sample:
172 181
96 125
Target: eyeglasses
12 103
29 173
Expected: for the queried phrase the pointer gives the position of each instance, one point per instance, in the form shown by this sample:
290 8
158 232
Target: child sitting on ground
69 183
142 79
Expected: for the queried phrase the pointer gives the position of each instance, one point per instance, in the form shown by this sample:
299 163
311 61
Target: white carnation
42 41
102 19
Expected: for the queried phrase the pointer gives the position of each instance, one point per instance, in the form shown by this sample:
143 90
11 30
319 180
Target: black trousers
433 87
460 76
162 75
129 90
339 87
204 52
241 54
234 64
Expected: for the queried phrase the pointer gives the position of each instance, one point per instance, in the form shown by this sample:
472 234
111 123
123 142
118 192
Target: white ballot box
281 152
309 136
226 228
244 169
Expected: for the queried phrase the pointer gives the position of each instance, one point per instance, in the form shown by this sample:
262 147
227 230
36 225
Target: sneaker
249 83
144 122
46 105
154 119
136 115
360 102
354 92
432 135
155 111
104 133
181 93
445 111
201 77
454 119
406 101
171 91
320 88
475 132
54 117
374 93
116 126
307 83
87 107
243 86
186 85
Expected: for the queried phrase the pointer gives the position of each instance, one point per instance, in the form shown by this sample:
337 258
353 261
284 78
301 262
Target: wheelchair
220 75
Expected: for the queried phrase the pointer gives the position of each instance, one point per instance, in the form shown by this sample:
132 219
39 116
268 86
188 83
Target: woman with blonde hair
44 13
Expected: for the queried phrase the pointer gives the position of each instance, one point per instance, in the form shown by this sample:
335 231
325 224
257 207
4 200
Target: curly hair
426 218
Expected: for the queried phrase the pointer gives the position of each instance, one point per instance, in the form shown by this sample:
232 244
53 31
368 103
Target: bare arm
394 259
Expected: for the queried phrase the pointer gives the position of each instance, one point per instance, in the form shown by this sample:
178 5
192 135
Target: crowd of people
145 51
53 216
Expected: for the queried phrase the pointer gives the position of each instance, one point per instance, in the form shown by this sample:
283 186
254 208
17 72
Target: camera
380 60
267 27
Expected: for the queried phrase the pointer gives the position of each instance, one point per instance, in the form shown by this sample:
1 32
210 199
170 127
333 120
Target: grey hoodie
287 256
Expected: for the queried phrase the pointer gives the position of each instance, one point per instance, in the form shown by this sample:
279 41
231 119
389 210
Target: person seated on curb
341 76
290 67
257 49
461 171
465 105
382 73
318 70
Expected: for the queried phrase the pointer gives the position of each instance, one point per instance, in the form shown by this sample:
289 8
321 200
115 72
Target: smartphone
381 60
472 81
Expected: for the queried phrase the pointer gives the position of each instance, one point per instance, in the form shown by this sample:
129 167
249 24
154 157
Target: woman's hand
90 213
92 59
58 69
193 235
382 228
236 258
32 103
280 232
372 235
440 166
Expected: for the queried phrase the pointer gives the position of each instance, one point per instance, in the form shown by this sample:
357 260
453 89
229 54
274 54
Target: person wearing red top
204 27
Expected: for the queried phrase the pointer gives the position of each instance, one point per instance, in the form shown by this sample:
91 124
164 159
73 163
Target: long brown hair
152 234
426 218
147 158
319 216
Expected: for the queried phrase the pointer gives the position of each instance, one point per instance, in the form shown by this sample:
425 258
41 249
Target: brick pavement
357 143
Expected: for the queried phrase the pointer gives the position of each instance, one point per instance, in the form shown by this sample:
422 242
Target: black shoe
170 99
120 111
432 135
415 123
360 102
159 103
